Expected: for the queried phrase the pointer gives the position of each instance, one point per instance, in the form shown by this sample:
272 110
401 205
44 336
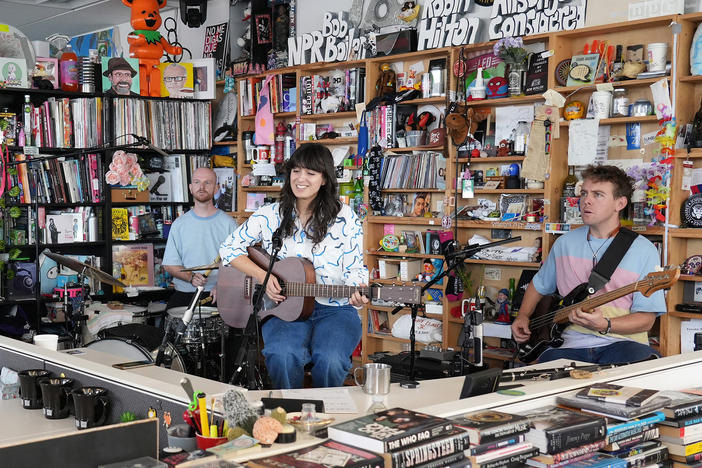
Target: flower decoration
125 170
511 50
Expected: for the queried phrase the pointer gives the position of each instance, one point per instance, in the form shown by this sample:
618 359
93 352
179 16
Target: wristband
608 329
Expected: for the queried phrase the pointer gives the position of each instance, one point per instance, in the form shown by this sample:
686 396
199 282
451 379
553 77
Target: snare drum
212 325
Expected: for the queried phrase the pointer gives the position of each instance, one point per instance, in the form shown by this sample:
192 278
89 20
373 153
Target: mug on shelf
30 389
91 404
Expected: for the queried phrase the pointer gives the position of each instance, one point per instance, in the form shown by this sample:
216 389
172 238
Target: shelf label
493 273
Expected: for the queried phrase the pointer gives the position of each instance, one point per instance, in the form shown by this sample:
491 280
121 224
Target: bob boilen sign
444 23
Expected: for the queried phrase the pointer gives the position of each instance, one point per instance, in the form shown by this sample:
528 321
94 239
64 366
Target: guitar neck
323 290
588 304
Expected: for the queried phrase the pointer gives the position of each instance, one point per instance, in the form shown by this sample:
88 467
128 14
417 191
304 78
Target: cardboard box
401 269
129 195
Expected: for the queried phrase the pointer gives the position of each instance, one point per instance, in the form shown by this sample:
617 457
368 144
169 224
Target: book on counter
540 462
682 405
509 461
490 425
494 445
455 442
680 450
619 394
650 433
600 460
613 410
555 429
501 453
390 430
575 453
326 454
681 435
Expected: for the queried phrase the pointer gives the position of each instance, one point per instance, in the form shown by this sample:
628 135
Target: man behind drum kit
194 240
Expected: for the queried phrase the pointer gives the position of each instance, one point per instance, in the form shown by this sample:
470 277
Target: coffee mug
56 396
261 154
376 378
91 406
29 387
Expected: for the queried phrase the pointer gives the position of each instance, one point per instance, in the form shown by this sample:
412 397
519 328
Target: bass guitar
550 317
236 291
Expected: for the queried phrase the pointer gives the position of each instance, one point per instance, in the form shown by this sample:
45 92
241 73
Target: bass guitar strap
604 269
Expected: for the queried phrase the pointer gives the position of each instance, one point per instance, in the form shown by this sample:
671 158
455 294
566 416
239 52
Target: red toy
147 44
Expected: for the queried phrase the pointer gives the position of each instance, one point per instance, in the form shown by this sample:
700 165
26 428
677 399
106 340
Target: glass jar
521 137
620 103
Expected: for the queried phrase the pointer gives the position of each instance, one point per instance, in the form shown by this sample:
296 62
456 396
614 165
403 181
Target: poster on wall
103 41
216 45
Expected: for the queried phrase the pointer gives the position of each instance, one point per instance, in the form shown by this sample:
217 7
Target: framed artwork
204 78
263 29
120 76
176 80
49 66
135 264
13 72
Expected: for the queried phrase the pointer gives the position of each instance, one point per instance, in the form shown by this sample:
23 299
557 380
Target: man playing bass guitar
616 332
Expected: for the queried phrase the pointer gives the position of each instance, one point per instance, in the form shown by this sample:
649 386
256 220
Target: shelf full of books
282 98
335 91
171 125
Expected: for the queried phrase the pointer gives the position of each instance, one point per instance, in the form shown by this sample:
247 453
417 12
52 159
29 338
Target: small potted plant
512 51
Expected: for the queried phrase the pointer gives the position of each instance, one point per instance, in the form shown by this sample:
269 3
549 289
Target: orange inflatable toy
147 44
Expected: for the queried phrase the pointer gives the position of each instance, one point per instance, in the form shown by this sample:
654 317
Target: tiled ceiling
38 18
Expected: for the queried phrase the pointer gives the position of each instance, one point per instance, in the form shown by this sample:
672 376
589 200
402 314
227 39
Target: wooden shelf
408 149
271 188
686 233
412 190
285 115
694 153
407 283
224 143
481 261
508 101
691 79
379 336
695 278
404 220
488 160
516 225
529 191
329 116
331 141
430 100
615 84
618 120
685 315
382 253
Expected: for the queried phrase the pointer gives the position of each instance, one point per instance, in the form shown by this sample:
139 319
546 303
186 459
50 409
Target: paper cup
203 443
46 341
601 104
657 55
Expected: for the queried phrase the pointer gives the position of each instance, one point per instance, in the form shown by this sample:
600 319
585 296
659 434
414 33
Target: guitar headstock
658 280
402 294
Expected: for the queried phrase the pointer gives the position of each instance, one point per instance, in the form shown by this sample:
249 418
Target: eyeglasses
173 79
118 74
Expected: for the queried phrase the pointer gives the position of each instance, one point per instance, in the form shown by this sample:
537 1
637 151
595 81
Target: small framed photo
13 72
48 69
204 78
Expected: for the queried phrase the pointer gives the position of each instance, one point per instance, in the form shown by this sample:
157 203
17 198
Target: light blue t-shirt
194 241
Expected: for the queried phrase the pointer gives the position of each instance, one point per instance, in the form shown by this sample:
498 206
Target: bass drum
131 351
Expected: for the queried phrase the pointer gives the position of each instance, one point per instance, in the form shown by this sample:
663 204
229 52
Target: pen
202 404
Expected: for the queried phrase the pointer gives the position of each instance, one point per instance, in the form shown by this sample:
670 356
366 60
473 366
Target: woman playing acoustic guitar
316 226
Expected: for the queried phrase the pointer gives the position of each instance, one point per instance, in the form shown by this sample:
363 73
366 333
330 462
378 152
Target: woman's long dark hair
326 204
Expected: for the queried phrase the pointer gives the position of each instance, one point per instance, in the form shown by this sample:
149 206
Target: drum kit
199 350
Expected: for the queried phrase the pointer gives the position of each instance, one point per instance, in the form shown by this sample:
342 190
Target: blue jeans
326 339
615 353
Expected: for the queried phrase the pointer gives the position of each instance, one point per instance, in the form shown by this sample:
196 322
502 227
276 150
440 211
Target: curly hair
326 204
623 184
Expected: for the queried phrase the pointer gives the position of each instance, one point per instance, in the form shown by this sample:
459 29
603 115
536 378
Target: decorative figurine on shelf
497 87
147 44
503 306
386 81
428 270
503 149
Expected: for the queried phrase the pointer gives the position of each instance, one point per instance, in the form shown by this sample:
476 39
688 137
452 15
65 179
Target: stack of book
681 431
405 438
496 439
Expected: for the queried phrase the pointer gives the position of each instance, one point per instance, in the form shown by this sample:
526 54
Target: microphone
144 141
277 239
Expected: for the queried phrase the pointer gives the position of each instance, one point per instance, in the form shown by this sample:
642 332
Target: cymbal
79 266
211 266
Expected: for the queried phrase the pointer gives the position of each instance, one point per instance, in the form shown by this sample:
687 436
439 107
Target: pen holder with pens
204 443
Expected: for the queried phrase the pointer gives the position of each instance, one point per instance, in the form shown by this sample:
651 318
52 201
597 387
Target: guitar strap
610 259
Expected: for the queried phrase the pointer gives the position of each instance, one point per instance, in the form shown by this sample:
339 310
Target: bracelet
608 329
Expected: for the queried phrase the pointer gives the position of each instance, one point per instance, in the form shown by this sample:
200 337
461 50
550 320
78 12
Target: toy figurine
503 306
147 44
428 270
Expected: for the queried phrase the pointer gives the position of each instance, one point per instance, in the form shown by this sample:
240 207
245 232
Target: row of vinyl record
282 94
169 125
60 180
425 170
57 123
336 91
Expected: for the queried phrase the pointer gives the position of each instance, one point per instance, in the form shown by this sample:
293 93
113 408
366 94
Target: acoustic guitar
235 291
550 317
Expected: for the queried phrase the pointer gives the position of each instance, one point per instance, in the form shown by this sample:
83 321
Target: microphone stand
247 354
453 259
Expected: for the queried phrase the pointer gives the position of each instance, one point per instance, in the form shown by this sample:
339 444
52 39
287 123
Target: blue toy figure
503 306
